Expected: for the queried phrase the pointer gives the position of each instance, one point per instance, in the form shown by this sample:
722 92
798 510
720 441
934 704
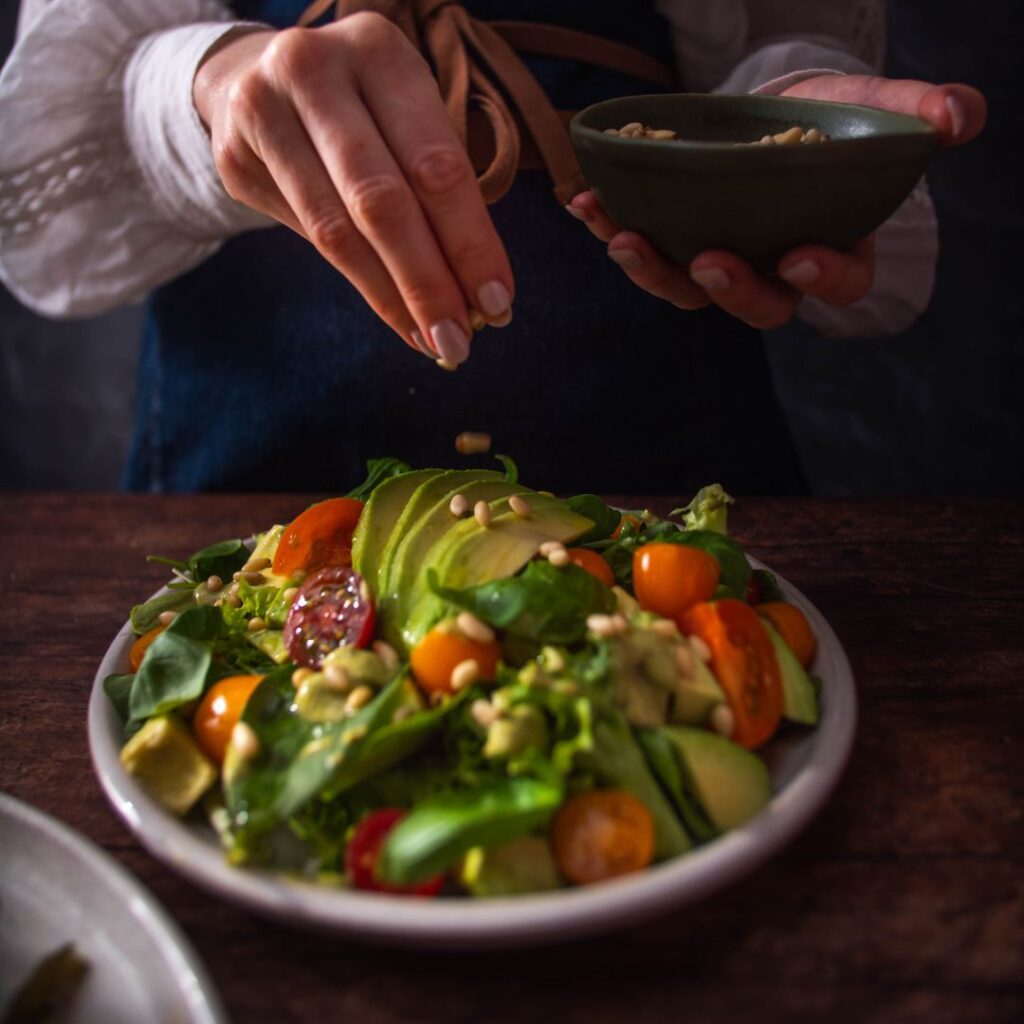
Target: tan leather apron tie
501 114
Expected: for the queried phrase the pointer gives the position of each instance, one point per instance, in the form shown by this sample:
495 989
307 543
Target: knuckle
378 201
333 233
421 292
372 33
288 53
439 170
247 96
473 253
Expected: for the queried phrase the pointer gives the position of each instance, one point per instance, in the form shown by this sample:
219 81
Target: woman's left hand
958 114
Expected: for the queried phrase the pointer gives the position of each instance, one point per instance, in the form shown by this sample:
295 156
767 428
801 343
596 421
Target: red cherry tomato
627 518
219 712
363 851
332 608
321 536
669 578
590 561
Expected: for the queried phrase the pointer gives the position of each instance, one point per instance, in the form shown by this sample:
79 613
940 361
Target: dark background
936 410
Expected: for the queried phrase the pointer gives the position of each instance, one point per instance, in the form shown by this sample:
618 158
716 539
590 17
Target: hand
340 133
838 278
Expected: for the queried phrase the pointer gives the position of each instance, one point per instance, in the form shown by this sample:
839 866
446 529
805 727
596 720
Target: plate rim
531 919
190 976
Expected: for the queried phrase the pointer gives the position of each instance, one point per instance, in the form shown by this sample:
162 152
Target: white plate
57 887
805 766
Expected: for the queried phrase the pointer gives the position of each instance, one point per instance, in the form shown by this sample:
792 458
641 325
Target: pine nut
559 558
255 579
166 618
233 600
600 625
447 365
620 623
465 674
482 513
812 135
245 741
484 713
214 583
684 659
611 131
476 320
633 128
519 505
700 648
358 698
300 675
789 136
458 506
256 565
661 133
352 735
386 653
550 545
256 624
665 627
723 721
469 443
474 629
336 677
289 594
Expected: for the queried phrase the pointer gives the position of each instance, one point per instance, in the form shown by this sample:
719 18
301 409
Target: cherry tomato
743 661
601 834
434 657
321 536
363 851
793 627
631 519
332 608
590 561
139 648
219 712
669 578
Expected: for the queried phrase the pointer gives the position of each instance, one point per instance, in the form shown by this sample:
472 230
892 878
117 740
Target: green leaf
145 617
664 764
443 827
377 471
544 604
222 559
707 510
767 586
605 518
511 469
118 689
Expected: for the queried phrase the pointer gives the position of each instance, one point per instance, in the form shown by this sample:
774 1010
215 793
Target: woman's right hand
340 133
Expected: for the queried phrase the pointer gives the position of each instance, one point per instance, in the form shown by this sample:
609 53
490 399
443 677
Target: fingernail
451 344
956 115
504 320
711 279
628 259
576 212
420 342
494 299
801 274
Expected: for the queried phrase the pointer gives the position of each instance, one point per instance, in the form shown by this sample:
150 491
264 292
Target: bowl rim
503 922
915 128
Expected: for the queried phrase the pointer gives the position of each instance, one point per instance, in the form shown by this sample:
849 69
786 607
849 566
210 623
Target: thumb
957 112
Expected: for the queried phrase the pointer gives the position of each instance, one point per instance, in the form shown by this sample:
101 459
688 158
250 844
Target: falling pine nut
446 364
470 443
476 320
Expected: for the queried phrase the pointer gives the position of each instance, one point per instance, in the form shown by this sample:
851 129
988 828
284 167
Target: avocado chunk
799 701
730 783
271 643
163 756
382 511
525 864
696 695
469 553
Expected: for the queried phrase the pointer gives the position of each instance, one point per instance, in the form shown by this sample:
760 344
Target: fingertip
958 112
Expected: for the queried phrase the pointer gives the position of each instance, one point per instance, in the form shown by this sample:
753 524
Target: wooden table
904 901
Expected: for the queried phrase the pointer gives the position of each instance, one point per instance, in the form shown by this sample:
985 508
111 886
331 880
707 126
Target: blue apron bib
263 369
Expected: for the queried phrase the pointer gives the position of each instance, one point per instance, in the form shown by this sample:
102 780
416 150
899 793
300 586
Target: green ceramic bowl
707 192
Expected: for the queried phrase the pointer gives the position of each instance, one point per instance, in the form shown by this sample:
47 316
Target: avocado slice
425 499
469 553
165 758
731 783
525 864
696 695
799 701
378 519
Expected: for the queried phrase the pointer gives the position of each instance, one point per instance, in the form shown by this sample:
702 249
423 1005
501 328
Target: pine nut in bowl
709 188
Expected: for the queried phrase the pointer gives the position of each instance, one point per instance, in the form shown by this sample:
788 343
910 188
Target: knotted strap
479 73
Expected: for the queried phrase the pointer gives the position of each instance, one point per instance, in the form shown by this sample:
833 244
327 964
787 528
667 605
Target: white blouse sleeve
765 46
107 181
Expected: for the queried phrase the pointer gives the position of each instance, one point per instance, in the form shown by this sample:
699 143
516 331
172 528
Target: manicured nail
451 344
956 115
494 299
502 321
801 274
711 279
576 212
628 259
421 343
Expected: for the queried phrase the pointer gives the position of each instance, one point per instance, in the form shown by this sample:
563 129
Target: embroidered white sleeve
107 183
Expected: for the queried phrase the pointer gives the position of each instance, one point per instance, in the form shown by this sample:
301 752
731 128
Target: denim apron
262 369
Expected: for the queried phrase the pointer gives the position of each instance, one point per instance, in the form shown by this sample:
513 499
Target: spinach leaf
118 689
661 758
767 586
174 669
145 617
544 604
443 827
222 559
605 519
377 471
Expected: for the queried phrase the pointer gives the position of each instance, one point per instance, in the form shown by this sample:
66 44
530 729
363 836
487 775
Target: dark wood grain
903 901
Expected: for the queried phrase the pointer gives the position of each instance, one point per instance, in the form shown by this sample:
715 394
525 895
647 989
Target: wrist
233 52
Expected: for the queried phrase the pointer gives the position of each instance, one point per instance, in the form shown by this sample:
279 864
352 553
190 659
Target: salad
448 683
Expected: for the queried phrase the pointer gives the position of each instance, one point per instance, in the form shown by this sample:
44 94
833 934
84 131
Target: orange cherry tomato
139 648
219 712
627 518
590 561
437 654
669 578
793 627
321 536
601 834
743 661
